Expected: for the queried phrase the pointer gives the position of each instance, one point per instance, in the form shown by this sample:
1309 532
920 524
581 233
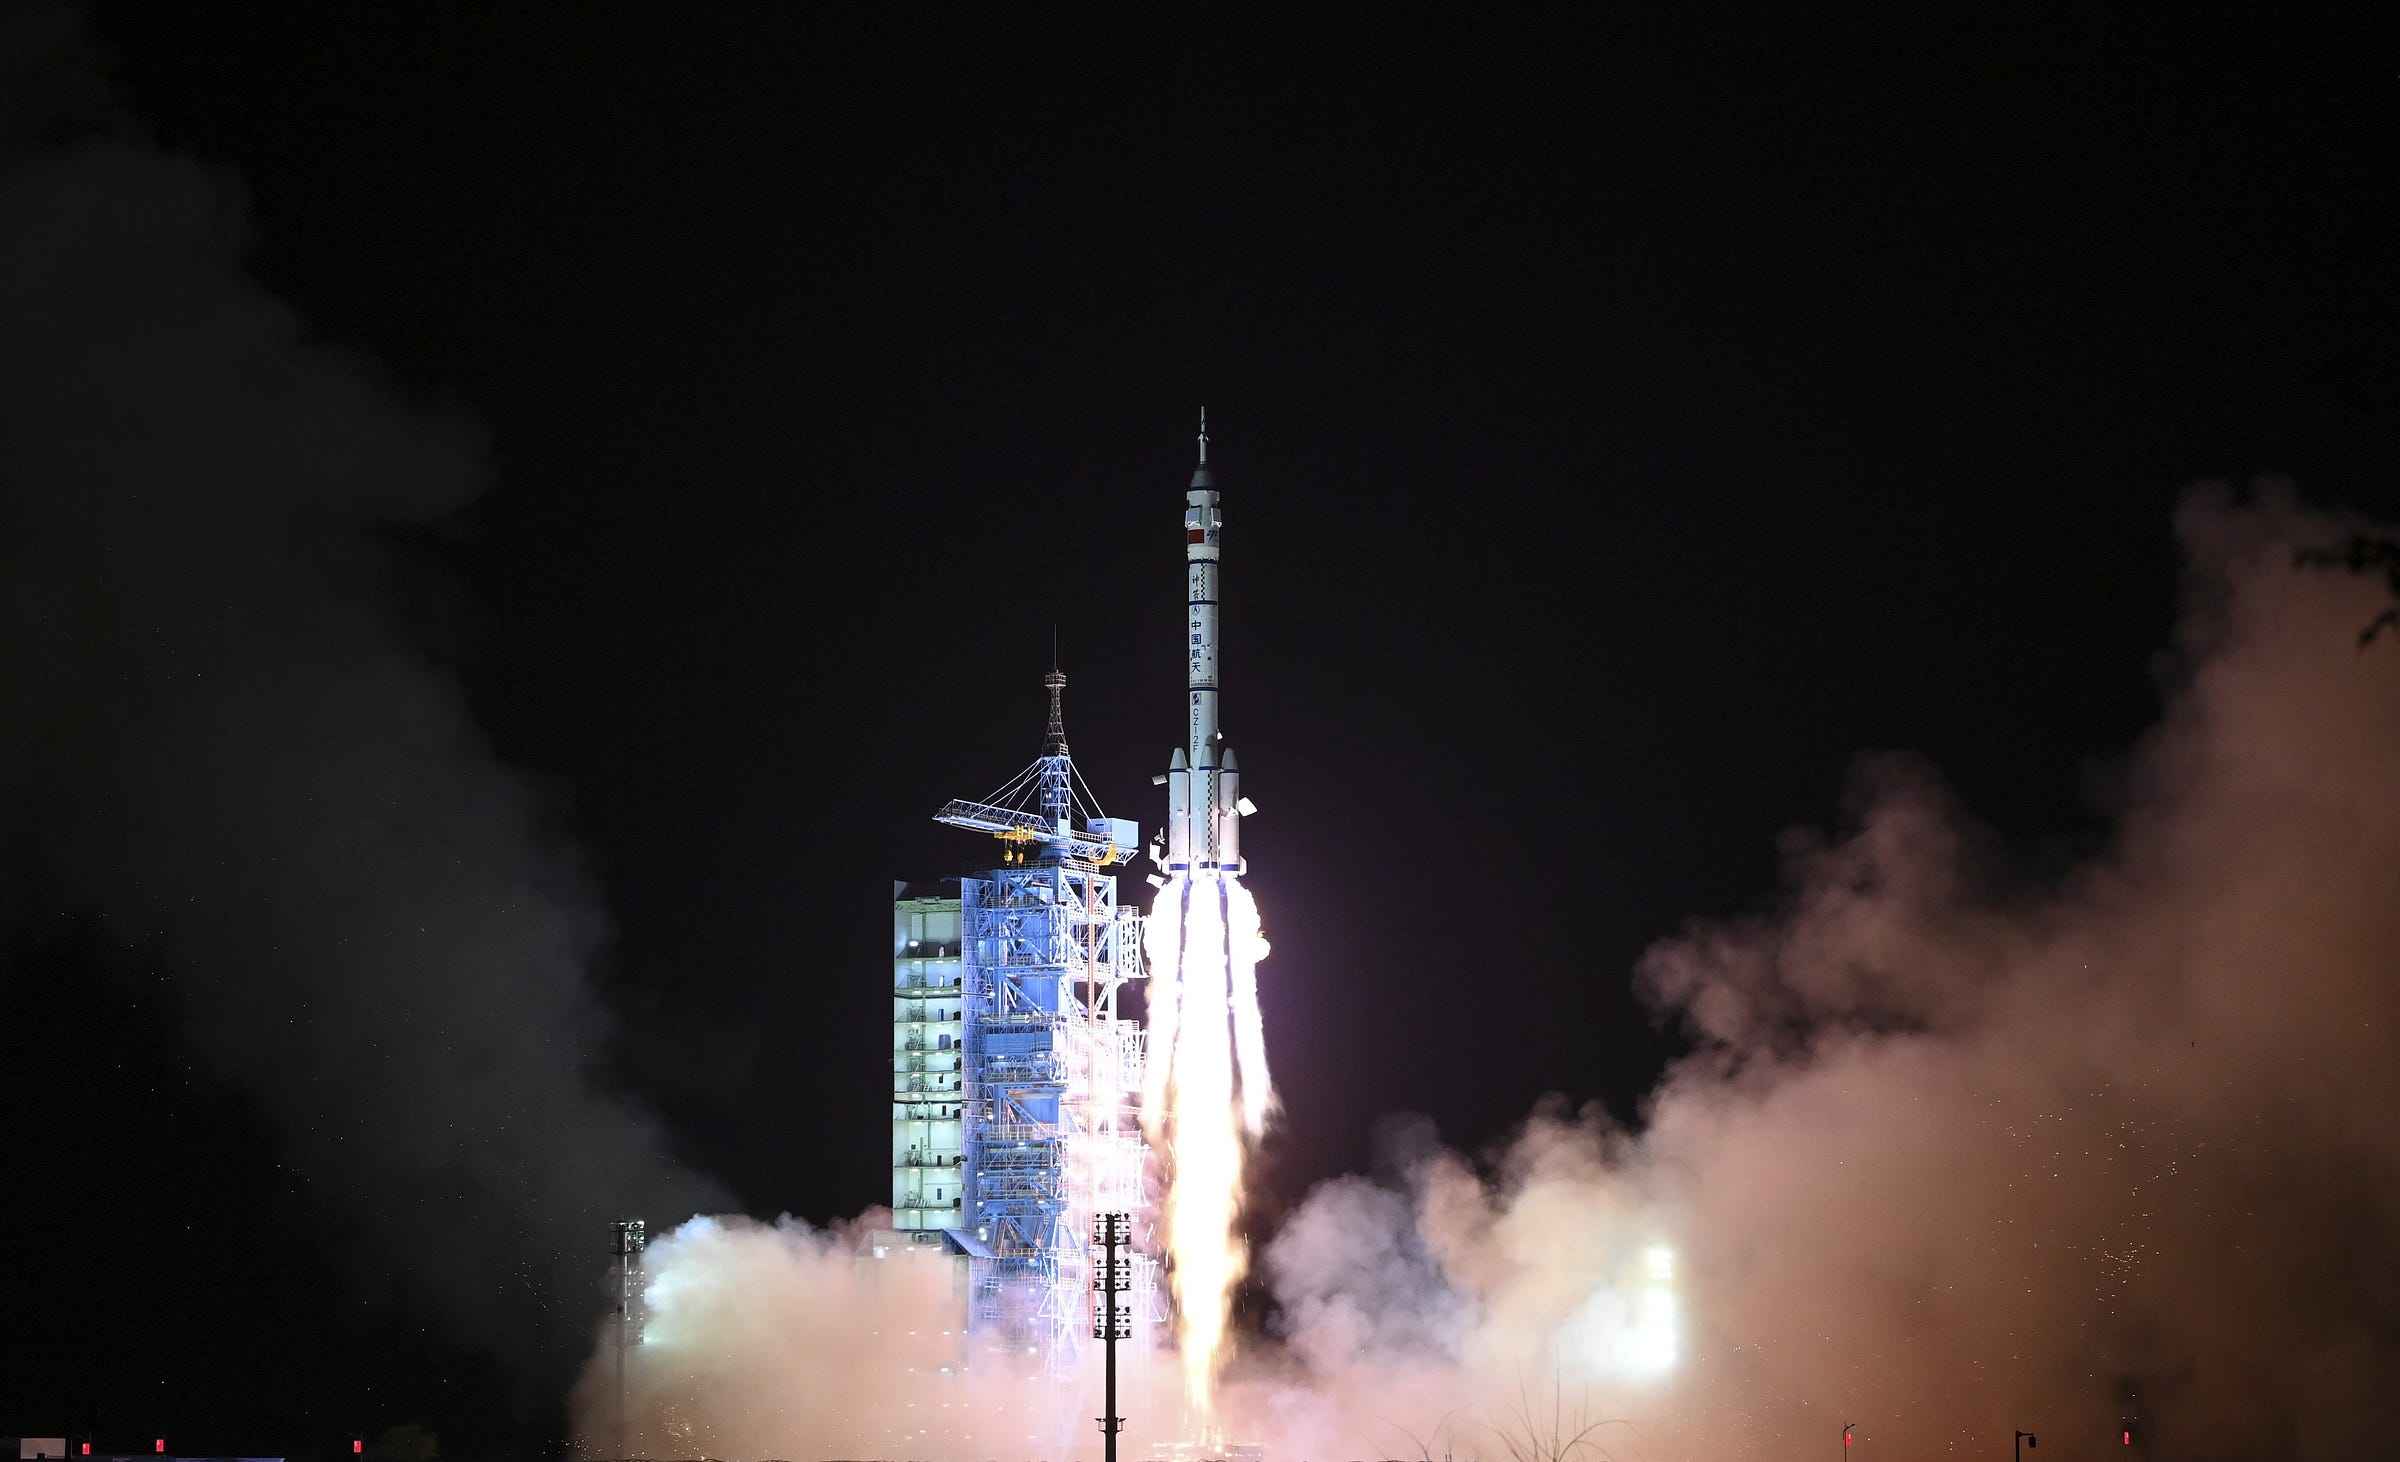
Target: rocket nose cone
1207 757
1176 763
1227 761
1202 477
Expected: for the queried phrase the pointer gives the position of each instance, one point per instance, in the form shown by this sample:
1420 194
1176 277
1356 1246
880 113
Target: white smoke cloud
1962 1152
785 1340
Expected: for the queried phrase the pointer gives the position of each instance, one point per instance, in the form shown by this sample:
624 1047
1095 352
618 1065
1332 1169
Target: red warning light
87 1449
2129 1439
159 1446
357 1446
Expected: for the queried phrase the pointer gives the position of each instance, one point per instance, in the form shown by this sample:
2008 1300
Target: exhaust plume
1207 1098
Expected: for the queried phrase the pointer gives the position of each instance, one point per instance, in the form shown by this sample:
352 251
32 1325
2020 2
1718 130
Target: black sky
1622 429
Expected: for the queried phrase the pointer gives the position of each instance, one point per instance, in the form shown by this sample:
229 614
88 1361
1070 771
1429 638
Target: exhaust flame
1206 1096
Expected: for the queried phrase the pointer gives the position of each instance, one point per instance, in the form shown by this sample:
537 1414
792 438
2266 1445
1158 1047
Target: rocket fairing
1204 801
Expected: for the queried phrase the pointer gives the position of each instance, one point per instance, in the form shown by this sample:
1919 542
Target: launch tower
1014 1080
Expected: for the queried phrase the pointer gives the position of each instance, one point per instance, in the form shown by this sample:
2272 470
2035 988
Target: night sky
1622 430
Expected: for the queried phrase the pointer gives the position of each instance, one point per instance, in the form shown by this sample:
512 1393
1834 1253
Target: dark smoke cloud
217 730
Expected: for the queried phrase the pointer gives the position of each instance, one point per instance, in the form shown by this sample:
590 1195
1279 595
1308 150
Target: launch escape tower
1014 1080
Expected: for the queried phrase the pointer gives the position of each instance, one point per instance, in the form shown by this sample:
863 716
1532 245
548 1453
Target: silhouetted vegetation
2364 553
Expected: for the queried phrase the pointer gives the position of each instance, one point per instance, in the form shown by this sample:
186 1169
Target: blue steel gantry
1049 1074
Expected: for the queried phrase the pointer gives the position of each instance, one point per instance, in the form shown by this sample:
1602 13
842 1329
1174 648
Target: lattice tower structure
1050 1073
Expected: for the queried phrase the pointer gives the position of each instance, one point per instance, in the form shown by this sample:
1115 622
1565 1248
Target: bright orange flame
1206 1093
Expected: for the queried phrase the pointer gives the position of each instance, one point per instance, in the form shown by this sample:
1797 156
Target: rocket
1204 783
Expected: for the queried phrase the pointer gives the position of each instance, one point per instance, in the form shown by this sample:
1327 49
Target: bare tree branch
2363 554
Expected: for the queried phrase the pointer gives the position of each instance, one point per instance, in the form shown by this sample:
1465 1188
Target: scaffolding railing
1026 1020
1035 1186
1018 1131
1044 1070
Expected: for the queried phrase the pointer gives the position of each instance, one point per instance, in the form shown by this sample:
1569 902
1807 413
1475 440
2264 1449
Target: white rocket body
1178 855
1206 1087
1203 781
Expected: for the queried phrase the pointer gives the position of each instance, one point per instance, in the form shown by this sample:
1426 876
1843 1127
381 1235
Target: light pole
632 1236
2024 1440
1112 1317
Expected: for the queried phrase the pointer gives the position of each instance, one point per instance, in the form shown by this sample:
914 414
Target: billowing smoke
1966 1146
217 731
784 1340
1965 1149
